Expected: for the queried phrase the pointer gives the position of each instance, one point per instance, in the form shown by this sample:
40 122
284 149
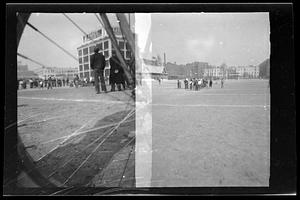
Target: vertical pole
114 42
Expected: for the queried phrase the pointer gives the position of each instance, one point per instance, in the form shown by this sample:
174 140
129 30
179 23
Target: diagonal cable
96 148
27 58
34 28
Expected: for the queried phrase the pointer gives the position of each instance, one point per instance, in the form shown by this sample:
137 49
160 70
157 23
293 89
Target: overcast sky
235 39
216 38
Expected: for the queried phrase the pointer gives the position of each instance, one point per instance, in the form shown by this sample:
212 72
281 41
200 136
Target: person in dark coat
98 65
210 83
49 83
116 76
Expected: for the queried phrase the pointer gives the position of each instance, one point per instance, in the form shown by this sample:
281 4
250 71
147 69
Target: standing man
116 75
98 65
178 84
222 83
210 83
49 83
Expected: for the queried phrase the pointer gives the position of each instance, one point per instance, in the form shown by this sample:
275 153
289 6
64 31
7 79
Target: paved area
62 130
211 137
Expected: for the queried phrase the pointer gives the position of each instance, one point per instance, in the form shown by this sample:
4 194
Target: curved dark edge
283 165
30 167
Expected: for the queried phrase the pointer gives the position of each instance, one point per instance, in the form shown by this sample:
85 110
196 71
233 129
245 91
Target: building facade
57 72
24 73
204 70
101 40
247 71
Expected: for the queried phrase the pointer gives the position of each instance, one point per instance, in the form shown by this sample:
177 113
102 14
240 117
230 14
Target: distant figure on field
222 83
76 81
186 84
178 84
49 83
210 83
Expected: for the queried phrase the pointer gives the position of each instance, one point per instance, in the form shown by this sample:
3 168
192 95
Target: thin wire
86 33
125 166
99 20
34 28
61 143
112 159
27 58
116 127
74 23
74 153
85 149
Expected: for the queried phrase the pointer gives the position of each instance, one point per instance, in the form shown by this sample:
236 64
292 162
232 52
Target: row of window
83 52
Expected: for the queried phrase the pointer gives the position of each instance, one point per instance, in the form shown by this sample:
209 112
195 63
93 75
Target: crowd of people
48 83
116 78
197 83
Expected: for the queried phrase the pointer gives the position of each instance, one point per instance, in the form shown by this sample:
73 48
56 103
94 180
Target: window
128 54
80 52
127 45
86 59
81 75
123 53
113 52
80 60
106 54
85 51
100 46
121 44
80 67
86 67
92 49
105 45
86 75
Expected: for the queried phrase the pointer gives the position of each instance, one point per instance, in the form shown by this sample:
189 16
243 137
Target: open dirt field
69 133
212 137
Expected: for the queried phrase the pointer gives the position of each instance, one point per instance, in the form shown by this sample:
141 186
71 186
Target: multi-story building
195 69
24 73
57 72
101 40
247 71
215 71
175 71
264 69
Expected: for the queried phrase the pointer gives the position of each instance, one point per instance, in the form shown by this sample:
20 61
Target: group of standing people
42 83
195 84
116 77
54 82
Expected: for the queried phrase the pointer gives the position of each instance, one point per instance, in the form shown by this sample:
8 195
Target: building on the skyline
175 71
204 70
57 72
249 71
24 73
101 40
264 69
195 69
